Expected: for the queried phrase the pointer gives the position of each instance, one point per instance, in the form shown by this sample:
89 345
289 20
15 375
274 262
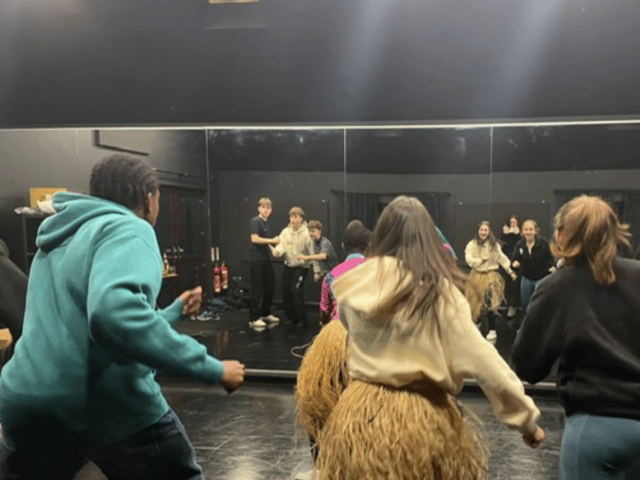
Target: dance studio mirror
538 167
447 168
463 174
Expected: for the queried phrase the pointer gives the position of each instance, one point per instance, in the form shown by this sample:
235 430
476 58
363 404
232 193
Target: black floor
281 346
251 434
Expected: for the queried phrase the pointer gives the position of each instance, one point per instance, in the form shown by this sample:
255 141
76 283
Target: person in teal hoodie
80 385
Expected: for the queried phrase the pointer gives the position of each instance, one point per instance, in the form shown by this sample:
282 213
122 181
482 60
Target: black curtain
367 206
629 200
364 207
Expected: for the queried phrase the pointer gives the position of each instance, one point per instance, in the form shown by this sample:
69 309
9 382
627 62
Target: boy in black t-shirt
263 278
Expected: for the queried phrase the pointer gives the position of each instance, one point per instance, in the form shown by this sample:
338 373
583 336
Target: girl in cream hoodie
295 243
484 255
412 341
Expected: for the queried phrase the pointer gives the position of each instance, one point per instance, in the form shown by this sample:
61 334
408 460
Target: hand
192 301
302 257
552 269
515 264
233 375
514 277
534 439
317 277
505 229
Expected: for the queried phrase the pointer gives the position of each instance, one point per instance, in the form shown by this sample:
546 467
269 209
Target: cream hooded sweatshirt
444 348
293 243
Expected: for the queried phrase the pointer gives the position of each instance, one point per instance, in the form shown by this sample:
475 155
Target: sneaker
257 324
205 316
511 312
270 319
492 335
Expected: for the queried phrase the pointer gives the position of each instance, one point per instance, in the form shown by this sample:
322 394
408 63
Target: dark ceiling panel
337 61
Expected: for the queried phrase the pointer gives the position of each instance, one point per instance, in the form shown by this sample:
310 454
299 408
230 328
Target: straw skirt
378 432
322 377
484 291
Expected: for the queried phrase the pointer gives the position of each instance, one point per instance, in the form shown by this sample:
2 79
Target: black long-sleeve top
509 242
536 264
13 292
594 331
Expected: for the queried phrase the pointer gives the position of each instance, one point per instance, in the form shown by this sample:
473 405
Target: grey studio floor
251 434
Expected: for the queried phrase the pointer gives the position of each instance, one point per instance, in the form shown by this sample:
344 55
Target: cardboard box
40 193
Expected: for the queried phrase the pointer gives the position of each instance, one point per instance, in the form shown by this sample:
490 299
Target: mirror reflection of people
80 385
511 235
484 255
294 243
412 341
13 293
533 260
263 278
324 256
586 317
354 242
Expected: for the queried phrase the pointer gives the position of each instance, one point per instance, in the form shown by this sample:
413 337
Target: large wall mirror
536 168
212 179
294 167
448 169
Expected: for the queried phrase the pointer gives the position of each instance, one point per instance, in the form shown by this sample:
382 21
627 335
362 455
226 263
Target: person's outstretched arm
125 279
471 356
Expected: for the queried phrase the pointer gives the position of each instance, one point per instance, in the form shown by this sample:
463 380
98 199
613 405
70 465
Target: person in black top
263 278
533 260
510 236
587 316
13 293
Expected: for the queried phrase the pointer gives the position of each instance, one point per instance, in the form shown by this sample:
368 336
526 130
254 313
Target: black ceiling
168 62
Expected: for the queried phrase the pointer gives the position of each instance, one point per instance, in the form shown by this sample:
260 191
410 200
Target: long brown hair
406 231
587 229
491 239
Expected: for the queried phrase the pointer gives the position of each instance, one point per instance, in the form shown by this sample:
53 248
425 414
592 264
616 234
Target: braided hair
123 179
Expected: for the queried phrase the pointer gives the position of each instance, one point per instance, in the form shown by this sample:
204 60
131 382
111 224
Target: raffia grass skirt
322 377
378 432
484 291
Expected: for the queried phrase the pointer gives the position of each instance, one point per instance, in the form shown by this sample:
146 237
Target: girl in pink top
355 241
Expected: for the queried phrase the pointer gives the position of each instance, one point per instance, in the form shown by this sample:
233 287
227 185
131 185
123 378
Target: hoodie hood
300 231
72 211
364 287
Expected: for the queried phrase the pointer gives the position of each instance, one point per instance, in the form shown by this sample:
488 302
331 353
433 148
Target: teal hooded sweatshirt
92 334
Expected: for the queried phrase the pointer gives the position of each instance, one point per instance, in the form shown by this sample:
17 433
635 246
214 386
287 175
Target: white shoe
492 335
270 319
257 324
511 312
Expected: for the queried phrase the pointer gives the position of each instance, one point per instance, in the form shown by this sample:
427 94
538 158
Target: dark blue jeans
161 451
527 287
